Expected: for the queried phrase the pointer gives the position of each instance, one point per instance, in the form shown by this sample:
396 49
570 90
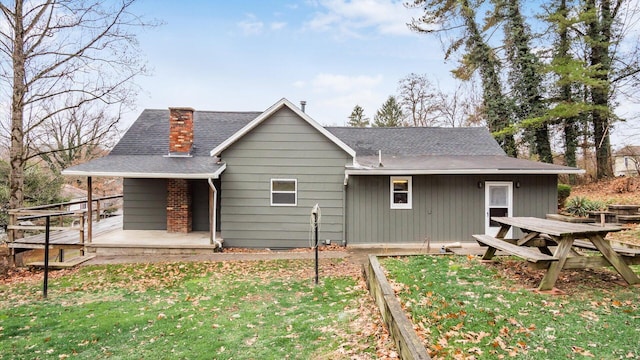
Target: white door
498 202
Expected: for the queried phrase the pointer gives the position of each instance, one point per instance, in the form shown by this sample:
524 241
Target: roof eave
138 175
381 171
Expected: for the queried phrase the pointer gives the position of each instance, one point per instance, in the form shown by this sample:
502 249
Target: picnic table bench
528 253
565 235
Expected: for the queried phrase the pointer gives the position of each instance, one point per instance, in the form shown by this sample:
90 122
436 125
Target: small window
284 192
401 192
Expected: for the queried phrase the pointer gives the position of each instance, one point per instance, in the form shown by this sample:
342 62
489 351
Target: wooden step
629 218
57 265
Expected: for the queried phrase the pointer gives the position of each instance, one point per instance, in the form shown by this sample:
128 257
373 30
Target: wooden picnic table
538 232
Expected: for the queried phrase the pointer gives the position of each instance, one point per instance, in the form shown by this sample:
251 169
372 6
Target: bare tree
417 99
78 135
462 107
58 57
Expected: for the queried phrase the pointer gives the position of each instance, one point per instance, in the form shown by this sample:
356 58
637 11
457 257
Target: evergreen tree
478 56
389 115
570 76
599 40
357 117
525 78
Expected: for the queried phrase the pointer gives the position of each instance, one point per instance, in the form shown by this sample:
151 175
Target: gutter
378 171
149 175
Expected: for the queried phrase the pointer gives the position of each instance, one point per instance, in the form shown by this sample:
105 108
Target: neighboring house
74 194
626 161
252 178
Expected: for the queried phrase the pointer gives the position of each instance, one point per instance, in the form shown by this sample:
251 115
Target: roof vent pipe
380 158
303 105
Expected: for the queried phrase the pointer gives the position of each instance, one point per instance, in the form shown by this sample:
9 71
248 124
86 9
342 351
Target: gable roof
629 150
142 151
272 110
149 134
411 141
430 150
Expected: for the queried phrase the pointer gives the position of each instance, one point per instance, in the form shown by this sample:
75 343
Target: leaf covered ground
195 310
622 190
465 309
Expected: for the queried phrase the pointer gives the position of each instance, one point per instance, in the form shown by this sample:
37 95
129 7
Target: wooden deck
67 239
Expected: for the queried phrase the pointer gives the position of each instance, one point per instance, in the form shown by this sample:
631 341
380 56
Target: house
252 179
74 195
626 161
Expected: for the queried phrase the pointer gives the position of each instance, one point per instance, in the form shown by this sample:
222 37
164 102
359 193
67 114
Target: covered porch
152 242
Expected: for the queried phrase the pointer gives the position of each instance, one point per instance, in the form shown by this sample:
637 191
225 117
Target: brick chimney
180 130
179 213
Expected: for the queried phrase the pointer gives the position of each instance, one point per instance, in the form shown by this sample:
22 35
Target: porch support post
89 210
213 197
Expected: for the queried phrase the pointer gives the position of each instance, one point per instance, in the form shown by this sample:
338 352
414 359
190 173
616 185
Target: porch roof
468 164
150 166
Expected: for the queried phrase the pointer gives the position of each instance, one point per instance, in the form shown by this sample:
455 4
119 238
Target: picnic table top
553 227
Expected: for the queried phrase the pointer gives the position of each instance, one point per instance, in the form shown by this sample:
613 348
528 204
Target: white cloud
351 17
342 83
277 25
299 84
333 96
251 25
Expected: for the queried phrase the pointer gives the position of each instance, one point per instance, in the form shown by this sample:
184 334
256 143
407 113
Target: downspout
344 210
212 238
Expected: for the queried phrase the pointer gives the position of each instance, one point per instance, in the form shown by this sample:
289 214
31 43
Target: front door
498 202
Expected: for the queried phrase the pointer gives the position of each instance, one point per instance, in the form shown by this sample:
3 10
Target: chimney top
180 131
303 105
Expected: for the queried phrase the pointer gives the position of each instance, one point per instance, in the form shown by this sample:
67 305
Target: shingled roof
143 150
149 134
412 141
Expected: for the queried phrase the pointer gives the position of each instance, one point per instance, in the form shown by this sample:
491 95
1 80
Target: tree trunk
16 153
600 33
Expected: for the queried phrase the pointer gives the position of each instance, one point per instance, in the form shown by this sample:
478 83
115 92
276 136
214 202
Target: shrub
564 191
580 206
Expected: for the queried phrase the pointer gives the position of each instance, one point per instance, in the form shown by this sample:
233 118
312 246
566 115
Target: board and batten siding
144 204
284 146
445 208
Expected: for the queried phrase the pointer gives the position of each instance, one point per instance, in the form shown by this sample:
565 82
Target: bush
580 206
564 191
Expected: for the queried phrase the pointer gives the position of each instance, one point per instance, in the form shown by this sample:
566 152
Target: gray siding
283 146
145 204
445 208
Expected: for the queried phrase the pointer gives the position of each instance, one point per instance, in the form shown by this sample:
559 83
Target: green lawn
465 309
226 310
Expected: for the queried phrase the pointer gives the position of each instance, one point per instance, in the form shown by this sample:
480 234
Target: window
401 192
284 192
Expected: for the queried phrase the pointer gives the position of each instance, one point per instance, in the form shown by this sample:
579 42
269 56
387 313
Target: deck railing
59 212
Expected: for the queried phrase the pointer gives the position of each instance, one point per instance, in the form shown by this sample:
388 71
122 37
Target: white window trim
295 202
408 205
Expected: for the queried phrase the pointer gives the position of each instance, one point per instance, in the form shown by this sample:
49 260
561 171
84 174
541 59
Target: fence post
89 208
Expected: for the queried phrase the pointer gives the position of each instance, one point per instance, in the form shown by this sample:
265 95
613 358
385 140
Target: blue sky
246 55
